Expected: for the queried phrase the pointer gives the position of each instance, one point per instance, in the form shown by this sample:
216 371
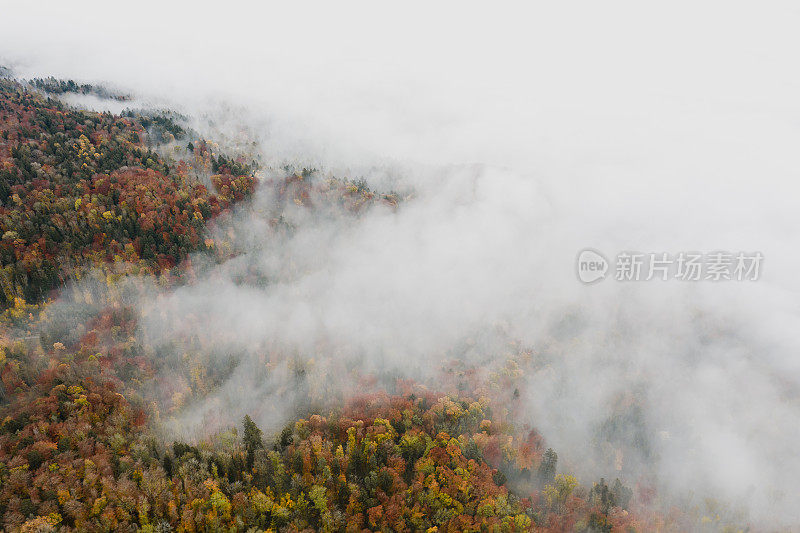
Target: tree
252 440
547 468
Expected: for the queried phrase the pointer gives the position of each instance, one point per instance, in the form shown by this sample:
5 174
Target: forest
96 206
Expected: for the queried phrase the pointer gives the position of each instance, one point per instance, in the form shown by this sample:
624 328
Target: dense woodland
91 200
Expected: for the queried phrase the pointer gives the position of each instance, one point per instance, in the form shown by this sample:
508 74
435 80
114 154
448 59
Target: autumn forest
98 209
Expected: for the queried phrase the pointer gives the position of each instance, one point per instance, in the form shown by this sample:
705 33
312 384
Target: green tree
547 468
252 440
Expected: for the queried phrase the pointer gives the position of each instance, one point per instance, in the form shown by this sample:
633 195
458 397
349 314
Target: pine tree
547 469
252 440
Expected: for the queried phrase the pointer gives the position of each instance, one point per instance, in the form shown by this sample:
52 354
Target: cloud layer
527 136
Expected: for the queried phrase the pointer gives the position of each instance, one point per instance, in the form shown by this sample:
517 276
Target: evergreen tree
252 440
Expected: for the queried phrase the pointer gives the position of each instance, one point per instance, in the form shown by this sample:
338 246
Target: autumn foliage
80 189
91 196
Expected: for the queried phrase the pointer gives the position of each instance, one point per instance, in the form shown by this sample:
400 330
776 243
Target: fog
526 136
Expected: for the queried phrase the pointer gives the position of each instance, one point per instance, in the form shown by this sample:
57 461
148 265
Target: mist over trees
105 220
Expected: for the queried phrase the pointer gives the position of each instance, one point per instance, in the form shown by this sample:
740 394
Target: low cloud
525 138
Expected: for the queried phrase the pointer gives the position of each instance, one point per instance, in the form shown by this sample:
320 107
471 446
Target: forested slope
87 195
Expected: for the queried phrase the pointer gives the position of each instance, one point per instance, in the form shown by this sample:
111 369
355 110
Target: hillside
96 209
